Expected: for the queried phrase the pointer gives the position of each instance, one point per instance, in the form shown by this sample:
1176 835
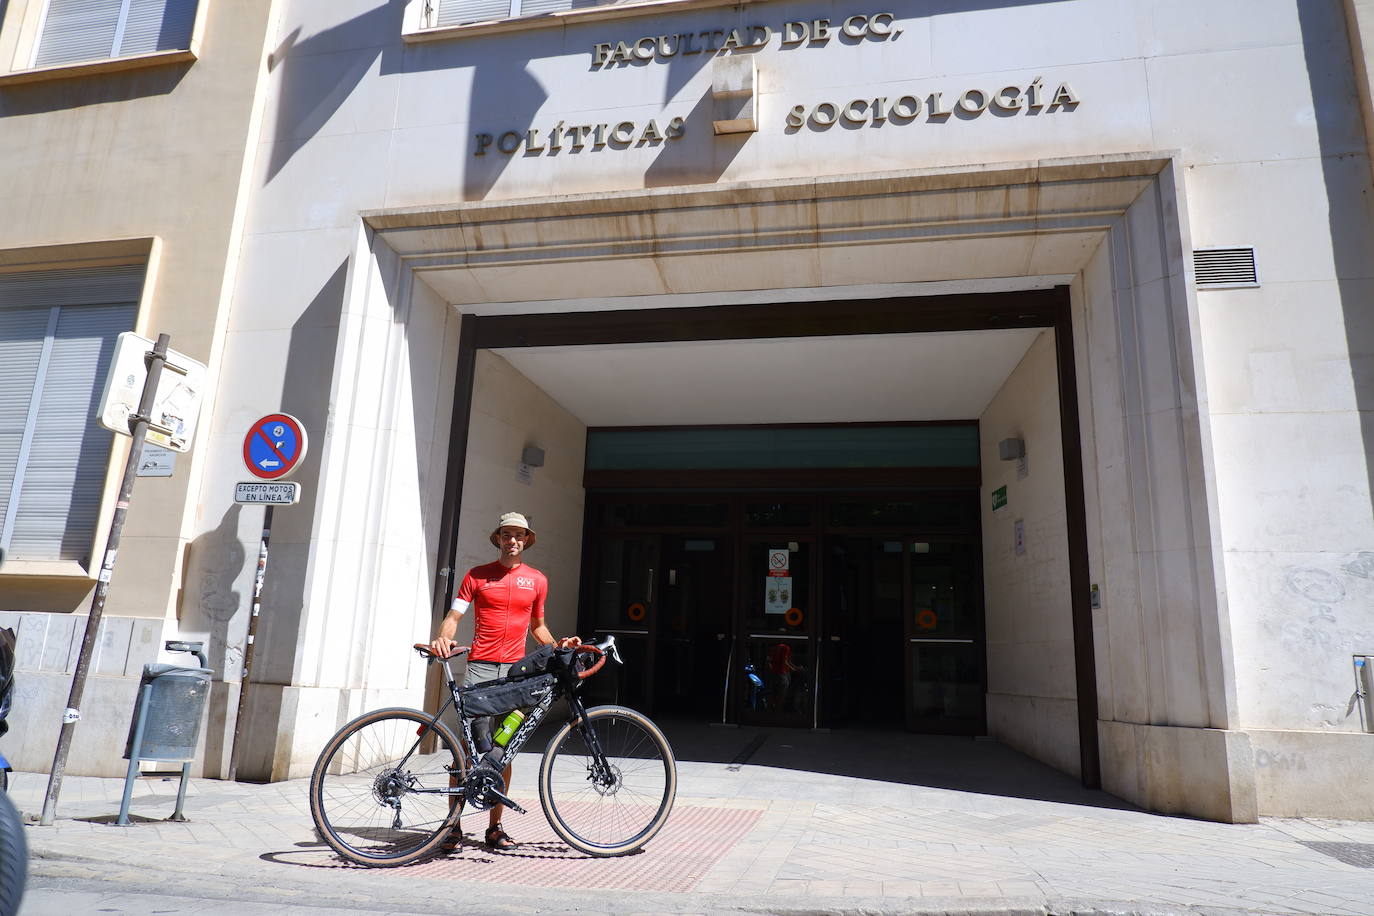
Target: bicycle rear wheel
615 809
377 791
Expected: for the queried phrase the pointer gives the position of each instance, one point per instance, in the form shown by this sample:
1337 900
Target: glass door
776 664
946 657
862 646
692 625
623 605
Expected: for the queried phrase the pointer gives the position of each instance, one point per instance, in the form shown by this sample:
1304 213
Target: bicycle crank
485 787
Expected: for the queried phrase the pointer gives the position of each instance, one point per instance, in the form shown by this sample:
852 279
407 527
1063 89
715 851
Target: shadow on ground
962 764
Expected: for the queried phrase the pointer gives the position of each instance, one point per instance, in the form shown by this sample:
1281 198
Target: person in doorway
507 598
781 666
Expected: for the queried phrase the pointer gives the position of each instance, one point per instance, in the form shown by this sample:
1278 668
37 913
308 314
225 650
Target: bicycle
390 786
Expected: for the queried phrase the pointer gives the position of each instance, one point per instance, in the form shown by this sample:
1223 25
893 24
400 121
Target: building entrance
803 609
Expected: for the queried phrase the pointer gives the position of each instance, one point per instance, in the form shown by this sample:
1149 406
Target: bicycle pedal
509 802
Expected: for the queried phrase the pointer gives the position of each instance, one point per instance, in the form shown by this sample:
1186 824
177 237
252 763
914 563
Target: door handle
649 591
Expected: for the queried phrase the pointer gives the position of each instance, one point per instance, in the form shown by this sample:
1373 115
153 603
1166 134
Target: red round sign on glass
274 446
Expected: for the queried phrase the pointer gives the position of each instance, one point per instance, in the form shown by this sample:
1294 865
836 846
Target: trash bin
166 723
171 701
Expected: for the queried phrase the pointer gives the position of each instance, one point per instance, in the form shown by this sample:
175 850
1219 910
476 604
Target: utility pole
138 426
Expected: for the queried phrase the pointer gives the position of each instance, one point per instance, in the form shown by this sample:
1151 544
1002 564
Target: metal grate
1360 855
1225 268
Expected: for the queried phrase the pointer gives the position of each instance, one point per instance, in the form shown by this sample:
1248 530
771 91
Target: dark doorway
828 608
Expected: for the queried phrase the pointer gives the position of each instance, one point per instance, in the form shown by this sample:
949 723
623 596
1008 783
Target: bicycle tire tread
13 858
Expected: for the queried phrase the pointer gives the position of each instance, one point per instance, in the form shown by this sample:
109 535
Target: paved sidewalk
939 825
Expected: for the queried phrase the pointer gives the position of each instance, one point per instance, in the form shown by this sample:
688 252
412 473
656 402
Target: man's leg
496 837
481 731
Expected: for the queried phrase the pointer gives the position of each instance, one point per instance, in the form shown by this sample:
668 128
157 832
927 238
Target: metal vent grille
1225 268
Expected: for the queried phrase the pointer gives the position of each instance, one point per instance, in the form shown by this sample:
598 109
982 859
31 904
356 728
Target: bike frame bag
495 698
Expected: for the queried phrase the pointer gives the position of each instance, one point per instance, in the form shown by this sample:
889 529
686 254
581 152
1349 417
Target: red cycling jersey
506 603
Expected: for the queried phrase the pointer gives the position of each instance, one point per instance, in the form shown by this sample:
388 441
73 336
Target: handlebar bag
537 662
496 698
566 663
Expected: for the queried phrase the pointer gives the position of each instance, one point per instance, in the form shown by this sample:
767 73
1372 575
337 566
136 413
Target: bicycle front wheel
607 787
379 792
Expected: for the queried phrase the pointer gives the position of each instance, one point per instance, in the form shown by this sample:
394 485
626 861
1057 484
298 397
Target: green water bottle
508 727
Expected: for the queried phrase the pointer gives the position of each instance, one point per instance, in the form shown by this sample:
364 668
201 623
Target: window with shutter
57 334
74 31
461 12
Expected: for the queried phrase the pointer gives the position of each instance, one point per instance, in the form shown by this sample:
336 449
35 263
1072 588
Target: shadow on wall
100 89
1340 136
305 395
217 559
506 94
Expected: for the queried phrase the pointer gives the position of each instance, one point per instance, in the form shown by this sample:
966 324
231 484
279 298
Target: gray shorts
485 671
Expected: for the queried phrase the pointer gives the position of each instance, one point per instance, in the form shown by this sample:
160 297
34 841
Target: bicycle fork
598 770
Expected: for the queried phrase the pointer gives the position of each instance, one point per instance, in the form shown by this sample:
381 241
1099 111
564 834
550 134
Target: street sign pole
272 450
251 641
138 425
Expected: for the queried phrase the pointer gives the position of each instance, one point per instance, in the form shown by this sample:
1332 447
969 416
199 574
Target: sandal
454 841
497 838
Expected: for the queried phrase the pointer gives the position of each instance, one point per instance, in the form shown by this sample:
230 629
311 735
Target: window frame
21 28
415 25
115 253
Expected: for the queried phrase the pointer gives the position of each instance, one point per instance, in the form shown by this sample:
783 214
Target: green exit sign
999 498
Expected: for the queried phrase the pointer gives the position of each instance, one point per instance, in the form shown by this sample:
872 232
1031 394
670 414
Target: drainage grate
1225 268
1360 855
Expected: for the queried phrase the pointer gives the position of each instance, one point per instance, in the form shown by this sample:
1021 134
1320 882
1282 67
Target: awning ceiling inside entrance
886 377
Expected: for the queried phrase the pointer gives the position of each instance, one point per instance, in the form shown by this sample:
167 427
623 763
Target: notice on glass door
778 596
777 592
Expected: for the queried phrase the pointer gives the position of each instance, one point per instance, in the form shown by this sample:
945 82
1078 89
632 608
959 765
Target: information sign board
176 406
279 493
156 461
999 498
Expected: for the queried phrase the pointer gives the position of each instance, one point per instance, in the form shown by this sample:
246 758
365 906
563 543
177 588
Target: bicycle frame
532 720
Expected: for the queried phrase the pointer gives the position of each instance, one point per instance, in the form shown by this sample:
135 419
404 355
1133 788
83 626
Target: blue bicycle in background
7 644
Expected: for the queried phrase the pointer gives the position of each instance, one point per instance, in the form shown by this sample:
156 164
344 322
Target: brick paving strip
690 843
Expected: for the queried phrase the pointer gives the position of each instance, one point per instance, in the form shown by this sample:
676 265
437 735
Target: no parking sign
274 446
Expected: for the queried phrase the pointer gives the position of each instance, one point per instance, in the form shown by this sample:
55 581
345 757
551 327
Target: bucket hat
512 520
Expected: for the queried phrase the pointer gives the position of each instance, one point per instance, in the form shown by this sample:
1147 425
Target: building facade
970 367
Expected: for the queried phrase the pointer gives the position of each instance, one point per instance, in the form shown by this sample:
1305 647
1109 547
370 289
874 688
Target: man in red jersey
508 601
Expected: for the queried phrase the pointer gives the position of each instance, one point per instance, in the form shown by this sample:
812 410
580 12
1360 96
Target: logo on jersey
524 582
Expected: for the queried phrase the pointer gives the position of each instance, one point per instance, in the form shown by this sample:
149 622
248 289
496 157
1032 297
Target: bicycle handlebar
601 650
600 660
